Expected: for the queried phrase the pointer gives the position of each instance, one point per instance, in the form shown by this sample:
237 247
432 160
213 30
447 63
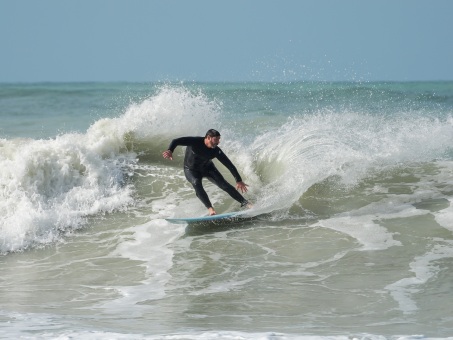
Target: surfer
198 164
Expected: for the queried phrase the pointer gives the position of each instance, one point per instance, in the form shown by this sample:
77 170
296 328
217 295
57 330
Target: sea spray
347 146
173 111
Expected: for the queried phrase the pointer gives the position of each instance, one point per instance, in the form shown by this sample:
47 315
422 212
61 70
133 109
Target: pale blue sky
230 40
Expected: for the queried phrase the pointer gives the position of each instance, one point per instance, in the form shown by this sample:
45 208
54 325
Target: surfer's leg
216 177
195 179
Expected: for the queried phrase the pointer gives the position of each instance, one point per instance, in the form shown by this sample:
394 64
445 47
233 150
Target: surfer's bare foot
212 211
247 205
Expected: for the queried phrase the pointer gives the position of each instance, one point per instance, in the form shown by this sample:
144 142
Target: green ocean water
352 185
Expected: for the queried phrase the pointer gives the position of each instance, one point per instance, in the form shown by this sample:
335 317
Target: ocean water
352 235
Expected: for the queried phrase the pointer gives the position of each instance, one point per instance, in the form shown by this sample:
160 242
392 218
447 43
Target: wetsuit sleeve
229 165
184 141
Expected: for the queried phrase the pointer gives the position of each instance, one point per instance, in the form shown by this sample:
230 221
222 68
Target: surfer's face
212 142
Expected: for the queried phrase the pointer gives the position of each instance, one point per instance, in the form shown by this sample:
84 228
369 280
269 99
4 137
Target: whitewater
352 230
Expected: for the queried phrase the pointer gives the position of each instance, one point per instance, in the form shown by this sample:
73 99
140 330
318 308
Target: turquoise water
352 235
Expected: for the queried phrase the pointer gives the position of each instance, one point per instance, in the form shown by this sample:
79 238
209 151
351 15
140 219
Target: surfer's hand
168 154
242 186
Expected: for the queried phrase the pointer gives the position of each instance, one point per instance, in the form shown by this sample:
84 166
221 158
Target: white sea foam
424 268
44 326
50 186
148 243
445 216
444 181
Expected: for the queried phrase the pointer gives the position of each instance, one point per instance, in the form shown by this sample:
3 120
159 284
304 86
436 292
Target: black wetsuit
198 164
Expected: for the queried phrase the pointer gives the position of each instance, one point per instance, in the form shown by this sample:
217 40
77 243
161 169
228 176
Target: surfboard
220 217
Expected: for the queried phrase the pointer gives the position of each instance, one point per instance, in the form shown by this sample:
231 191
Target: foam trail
363 224
424 268
149 243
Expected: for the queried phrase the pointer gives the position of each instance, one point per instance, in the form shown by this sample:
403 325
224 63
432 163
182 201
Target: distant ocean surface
353 230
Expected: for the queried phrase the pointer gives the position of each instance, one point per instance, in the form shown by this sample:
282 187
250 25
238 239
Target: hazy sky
228 40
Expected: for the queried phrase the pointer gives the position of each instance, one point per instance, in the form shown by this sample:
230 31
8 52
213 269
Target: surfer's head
212 138
212 133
